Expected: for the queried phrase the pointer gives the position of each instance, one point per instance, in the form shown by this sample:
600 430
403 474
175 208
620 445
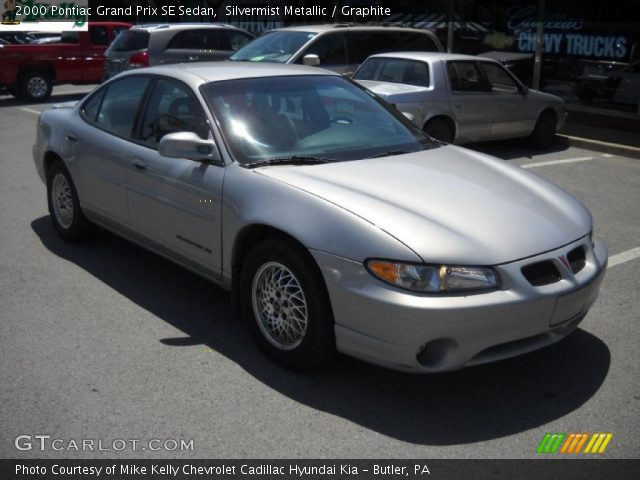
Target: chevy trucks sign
49 16
563 35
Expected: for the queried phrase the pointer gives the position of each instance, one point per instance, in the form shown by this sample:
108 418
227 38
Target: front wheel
64 206
284 300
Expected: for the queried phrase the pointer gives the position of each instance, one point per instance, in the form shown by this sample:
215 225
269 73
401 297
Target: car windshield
394 70
308 117
275 47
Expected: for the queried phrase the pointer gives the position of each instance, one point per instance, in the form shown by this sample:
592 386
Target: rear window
394 70
131 40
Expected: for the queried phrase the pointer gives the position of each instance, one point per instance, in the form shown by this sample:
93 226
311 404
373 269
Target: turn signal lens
433 279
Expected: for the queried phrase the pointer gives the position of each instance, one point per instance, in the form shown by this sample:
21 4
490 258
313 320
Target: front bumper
433 333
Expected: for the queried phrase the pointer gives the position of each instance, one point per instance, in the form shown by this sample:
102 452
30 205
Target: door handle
193 58
71 137
138 164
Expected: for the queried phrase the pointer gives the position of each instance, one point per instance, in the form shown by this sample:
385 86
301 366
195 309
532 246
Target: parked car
463 98
335 222
30 71
338 47
149 45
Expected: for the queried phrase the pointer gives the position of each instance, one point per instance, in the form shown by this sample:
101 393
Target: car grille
541 273
577 259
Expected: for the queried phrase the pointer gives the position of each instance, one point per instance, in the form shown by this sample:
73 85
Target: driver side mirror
188 145
523 89
311 59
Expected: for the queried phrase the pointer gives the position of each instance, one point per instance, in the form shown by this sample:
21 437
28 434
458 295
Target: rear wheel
439 129
64 206
544 132
285 303
36 86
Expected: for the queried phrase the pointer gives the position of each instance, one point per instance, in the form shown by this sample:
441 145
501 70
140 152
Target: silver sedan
337 225
461 98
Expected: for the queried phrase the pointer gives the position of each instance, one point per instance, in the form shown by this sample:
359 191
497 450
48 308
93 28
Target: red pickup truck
30 71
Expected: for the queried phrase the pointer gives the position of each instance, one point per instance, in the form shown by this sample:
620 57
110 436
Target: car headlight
433 278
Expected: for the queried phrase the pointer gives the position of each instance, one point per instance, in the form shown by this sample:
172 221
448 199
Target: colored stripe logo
573 443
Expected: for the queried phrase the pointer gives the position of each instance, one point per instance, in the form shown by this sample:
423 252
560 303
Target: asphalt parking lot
107 341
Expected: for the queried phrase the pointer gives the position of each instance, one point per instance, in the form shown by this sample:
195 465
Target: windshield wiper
293 160
391 153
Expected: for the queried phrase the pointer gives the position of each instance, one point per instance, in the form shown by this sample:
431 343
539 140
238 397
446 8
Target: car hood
448 204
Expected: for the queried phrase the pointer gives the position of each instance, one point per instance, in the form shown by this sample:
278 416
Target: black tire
308 347
73 226
35 86
439 129
544 133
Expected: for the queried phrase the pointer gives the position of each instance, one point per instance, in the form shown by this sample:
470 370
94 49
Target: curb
599 146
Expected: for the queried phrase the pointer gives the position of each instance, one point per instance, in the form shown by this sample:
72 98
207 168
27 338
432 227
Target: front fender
251 198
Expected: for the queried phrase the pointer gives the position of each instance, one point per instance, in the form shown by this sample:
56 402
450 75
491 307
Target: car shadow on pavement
518 148
471 405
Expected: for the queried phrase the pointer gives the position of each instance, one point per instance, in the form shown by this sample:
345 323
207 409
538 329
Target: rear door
470 101
102 145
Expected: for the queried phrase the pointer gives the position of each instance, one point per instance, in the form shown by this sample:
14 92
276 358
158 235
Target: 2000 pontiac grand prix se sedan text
337 225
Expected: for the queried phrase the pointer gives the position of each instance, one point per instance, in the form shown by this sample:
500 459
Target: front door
172 201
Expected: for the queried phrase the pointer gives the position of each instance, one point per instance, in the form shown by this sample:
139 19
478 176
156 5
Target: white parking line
31 110
556 162
624 257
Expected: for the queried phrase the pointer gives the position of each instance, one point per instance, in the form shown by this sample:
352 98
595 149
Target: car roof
320 28
198 73
431 56
180 26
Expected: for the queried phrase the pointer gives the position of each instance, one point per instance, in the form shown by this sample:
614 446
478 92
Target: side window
119 108
195 40
91 106
330 49
98 35
465 77
172 108
232 40
364 44
499 80
413 42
